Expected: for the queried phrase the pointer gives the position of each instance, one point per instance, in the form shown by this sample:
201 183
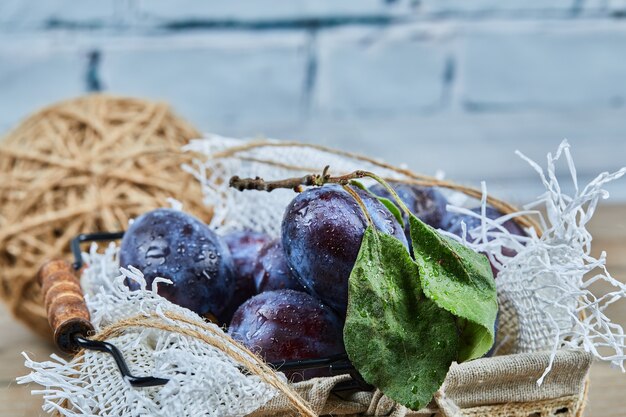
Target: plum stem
389 188
315 180
296 183
360 202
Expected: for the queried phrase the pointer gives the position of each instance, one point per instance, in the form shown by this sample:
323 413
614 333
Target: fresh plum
244 247
174 245
322 230
427 203
272 272
288 325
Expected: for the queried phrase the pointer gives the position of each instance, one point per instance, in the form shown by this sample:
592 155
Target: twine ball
84 165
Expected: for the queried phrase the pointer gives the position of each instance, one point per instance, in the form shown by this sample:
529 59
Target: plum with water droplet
288 325
174 245
245 247
427 203
322 230
272 272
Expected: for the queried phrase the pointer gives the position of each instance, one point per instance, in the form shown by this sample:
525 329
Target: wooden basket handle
65 304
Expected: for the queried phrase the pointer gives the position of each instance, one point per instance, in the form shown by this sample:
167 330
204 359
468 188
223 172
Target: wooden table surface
607 396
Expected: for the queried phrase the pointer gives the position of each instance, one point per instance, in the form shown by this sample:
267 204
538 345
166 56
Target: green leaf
400 341
385 201
392 208
460 281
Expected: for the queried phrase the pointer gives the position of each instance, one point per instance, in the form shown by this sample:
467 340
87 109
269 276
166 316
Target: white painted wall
456 85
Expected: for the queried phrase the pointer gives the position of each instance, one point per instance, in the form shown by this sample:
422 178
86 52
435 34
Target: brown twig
409 177
296 183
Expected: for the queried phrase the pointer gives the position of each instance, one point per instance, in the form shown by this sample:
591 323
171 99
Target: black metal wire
90 237
336 364
135 381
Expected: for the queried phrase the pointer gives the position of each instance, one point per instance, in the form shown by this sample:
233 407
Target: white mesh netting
203 380
547 283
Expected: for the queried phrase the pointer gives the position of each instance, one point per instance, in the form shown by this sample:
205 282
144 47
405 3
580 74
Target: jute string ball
84 165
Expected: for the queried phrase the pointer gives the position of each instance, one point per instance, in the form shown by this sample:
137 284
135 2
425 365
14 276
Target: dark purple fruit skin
322 231
272 272
244 248
288 325
427 203
174 245
452 224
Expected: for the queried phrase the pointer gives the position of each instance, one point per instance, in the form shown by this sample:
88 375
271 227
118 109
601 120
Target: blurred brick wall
450 84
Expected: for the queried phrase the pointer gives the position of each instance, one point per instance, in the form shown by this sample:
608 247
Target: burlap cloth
499 386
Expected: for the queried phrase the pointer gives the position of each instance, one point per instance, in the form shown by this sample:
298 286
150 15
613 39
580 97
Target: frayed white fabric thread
548 281
233 209
203 380
175 204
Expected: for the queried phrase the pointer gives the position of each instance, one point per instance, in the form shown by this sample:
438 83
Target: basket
503 385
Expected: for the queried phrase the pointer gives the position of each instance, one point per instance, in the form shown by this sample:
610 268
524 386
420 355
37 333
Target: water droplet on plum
156 257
